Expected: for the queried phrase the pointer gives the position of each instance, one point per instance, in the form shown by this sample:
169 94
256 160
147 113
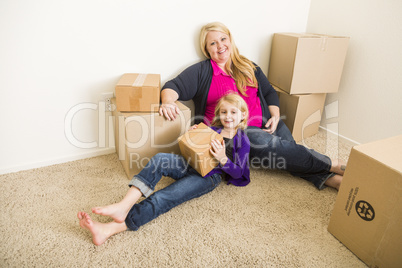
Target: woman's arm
272 100
169 108
272 123
183 87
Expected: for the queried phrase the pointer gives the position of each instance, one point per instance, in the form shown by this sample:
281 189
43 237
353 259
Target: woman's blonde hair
239 67
235 100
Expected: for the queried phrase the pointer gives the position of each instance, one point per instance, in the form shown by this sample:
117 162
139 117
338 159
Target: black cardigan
195 81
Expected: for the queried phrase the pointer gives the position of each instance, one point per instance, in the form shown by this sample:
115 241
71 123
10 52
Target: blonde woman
225 70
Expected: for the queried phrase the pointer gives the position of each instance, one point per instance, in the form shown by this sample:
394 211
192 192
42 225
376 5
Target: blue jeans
280 151
188 185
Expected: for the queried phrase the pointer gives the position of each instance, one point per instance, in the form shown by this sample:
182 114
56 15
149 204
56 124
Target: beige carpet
276 221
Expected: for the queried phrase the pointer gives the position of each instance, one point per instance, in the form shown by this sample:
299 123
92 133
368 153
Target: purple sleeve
239 171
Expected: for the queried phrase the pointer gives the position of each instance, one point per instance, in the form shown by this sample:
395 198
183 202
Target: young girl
231 115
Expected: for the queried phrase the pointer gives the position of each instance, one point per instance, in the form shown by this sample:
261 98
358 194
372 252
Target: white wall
57 55
369 101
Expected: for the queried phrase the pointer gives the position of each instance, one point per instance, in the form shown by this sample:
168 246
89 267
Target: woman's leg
283 132
273 152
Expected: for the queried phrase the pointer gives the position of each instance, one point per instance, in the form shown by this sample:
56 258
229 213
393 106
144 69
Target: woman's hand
193 127
218 150
272 124
169 110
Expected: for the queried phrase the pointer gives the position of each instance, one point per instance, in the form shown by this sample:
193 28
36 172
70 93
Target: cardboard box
141 135
301 113
367 216
307 63
138 93
195 145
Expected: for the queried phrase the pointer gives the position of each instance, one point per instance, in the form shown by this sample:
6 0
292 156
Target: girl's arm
239 169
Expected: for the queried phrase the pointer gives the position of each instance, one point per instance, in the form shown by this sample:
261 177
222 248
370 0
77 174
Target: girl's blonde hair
235 100
239 67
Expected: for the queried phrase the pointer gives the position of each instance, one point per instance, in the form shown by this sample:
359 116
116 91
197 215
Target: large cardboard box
195 145
138 92
301 113
367 216
307 63
141 135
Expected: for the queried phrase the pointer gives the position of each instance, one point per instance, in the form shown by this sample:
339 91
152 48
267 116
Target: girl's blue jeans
280 151
188 185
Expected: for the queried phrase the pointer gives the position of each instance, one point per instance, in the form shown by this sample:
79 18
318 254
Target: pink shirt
221 85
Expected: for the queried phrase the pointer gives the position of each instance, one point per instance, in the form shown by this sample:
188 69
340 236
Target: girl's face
219 47
230 116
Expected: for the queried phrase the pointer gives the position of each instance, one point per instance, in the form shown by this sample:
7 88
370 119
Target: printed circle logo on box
365 210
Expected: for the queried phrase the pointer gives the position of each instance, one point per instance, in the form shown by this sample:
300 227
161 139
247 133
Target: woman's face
218 46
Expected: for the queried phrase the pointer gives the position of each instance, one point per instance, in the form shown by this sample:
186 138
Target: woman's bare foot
334 182
100 231
116 211
338 167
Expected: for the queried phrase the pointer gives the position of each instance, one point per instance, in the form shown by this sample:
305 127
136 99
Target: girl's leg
100 231
190 186
144 183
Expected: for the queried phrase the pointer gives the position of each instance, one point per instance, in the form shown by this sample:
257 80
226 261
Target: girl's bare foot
338 167
99 235
100 231
119 211
116 211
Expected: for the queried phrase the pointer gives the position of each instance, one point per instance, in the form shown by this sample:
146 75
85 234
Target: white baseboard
56 161
341 137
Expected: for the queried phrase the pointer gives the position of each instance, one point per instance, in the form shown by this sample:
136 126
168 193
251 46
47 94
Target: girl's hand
272 124
218 150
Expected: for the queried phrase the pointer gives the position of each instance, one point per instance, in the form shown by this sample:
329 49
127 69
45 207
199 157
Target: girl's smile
230 116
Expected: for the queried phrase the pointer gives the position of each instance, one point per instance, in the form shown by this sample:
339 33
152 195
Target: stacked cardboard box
140 132
138 92
300 66
367 214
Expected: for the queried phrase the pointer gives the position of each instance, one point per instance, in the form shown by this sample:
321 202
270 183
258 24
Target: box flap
199 142
387 151
138 80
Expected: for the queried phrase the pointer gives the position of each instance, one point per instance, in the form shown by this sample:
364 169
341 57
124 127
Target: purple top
238 172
